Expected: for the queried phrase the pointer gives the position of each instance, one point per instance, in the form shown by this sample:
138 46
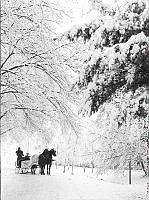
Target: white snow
80 186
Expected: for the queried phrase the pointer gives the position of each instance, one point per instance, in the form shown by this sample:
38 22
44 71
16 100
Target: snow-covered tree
120 136
116 53
114 77
35 88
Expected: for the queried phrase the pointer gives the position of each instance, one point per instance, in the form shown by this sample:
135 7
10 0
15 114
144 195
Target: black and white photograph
74 100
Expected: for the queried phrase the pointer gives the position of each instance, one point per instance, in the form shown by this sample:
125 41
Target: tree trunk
64 169
148 154
142 165
72 170
129 172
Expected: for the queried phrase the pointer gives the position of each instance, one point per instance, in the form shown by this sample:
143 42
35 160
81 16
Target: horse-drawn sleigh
27 165
36 161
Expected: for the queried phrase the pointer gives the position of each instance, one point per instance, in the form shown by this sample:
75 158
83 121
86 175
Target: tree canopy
35 88
117 56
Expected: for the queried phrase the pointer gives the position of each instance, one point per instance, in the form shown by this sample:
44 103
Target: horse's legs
49 168
31 169
40 170
43 169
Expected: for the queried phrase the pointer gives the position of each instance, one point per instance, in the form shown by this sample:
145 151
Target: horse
42 163
46 159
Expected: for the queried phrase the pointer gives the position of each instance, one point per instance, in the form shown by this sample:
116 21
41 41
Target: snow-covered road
64 186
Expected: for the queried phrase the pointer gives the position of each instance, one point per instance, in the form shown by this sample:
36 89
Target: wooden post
72 170
92 168
84 169
64 166
130 172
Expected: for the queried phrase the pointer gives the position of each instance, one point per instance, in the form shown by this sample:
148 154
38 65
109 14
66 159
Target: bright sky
79 12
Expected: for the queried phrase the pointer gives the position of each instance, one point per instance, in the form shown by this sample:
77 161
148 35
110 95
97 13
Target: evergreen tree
114 77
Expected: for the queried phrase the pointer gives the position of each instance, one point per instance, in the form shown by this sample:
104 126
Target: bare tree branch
12 53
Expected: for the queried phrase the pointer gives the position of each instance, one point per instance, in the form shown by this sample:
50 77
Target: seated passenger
20 154
26 157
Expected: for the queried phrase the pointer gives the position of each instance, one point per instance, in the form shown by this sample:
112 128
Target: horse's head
53 152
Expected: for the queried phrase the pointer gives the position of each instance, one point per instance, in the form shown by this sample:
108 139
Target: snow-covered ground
79 186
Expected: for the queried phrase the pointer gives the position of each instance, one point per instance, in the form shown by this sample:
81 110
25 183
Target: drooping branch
6 131
12 53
